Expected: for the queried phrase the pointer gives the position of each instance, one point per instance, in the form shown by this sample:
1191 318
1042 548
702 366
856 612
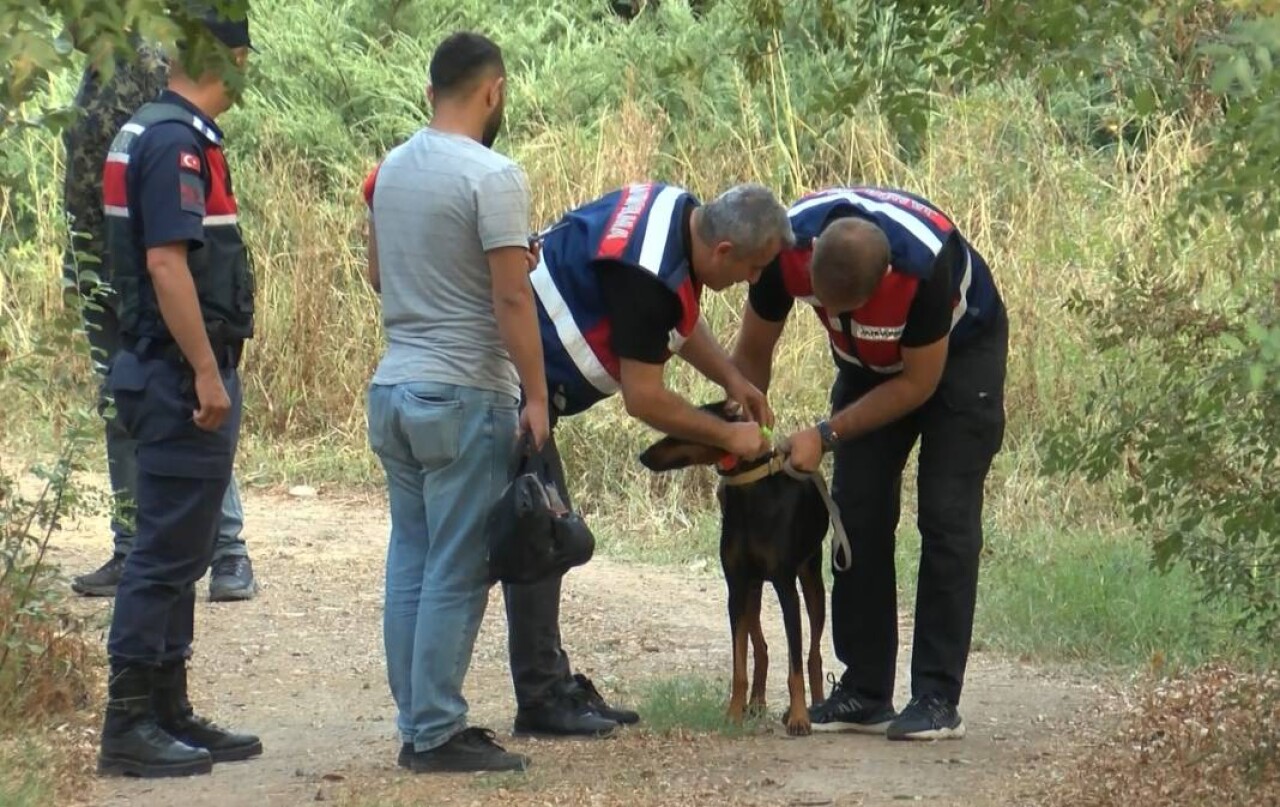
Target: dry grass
1211 739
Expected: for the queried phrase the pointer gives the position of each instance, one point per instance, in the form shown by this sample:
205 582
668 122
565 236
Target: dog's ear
671 453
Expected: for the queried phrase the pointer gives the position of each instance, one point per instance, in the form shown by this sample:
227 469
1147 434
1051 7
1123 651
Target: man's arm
647 398
375 280
707 357
171 191
517 313
180 308
753 352
921 370
765 314
366 190
503 217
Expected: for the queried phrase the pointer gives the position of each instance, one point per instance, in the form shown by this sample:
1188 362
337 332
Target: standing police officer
185 289
105 106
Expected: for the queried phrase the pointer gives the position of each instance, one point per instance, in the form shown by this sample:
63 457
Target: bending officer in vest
181 269
619 283
105 106
919 336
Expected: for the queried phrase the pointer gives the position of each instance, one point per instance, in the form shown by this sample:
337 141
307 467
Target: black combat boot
133 744
175 715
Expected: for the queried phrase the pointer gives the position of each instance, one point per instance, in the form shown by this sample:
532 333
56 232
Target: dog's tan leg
760 657
815 602
798 714
740 621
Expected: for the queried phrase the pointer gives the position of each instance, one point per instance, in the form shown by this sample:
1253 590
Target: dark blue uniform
166 182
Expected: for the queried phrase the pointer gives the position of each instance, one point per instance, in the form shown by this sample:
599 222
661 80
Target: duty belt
227 354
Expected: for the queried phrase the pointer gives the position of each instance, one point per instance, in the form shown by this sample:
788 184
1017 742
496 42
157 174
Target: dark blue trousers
960 429
183 473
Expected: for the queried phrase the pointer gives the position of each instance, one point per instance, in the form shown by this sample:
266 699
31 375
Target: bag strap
530 460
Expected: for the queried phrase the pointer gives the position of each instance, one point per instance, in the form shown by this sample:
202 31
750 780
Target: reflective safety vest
641 225
870 337
220 268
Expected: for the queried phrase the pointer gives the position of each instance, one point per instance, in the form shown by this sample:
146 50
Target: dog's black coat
771 530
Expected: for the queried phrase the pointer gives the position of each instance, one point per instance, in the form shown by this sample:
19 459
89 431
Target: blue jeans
447 453
102 326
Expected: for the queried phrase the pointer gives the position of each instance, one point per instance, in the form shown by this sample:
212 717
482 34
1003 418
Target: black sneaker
103 581
927 717
471 750
231 579
844 711
596 701
567 713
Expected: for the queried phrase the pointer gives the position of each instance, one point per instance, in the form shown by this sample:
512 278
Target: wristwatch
828 435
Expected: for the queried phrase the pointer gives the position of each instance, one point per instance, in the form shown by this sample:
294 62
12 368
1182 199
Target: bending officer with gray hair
619 282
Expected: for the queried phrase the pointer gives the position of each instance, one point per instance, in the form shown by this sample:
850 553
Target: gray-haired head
743 228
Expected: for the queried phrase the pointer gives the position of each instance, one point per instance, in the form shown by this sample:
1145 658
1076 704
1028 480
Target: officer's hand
746 440
213 398
804 450
746 395
535 422
532 254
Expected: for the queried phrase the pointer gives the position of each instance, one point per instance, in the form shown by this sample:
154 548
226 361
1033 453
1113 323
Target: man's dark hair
849 261
461 60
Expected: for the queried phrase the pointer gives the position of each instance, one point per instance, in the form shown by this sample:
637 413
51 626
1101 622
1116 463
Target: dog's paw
735 713
799 725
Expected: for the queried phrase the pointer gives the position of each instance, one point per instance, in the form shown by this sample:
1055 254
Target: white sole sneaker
841 727
944 733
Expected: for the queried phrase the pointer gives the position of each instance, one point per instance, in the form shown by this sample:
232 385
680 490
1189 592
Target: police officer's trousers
960 429
538 660
102 326
183 473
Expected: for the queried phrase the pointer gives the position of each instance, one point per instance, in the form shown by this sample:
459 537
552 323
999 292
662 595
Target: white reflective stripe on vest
854 361
221 220
675 340
876 333
657 230
575 344
116 210
962 304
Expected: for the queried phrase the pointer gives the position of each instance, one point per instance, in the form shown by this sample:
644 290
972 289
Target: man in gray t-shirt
448 251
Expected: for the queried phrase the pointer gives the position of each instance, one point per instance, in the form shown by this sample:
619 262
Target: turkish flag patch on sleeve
188 161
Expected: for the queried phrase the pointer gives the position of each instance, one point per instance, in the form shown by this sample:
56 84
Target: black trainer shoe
231 579
927 717
471 750
844 711
566 714
596 701
103 581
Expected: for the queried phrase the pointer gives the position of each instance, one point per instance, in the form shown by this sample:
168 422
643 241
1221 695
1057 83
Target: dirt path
302 666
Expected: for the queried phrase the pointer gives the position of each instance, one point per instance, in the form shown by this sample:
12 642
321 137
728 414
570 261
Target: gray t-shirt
439 202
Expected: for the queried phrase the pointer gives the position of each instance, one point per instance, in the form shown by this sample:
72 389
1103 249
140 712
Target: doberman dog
771 528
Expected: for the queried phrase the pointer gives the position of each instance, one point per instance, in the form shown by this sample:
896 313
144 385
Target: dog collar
773 466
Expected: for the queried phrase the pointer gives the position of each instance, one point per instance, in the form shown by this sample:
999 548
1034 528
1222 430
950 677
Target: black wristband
828 435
